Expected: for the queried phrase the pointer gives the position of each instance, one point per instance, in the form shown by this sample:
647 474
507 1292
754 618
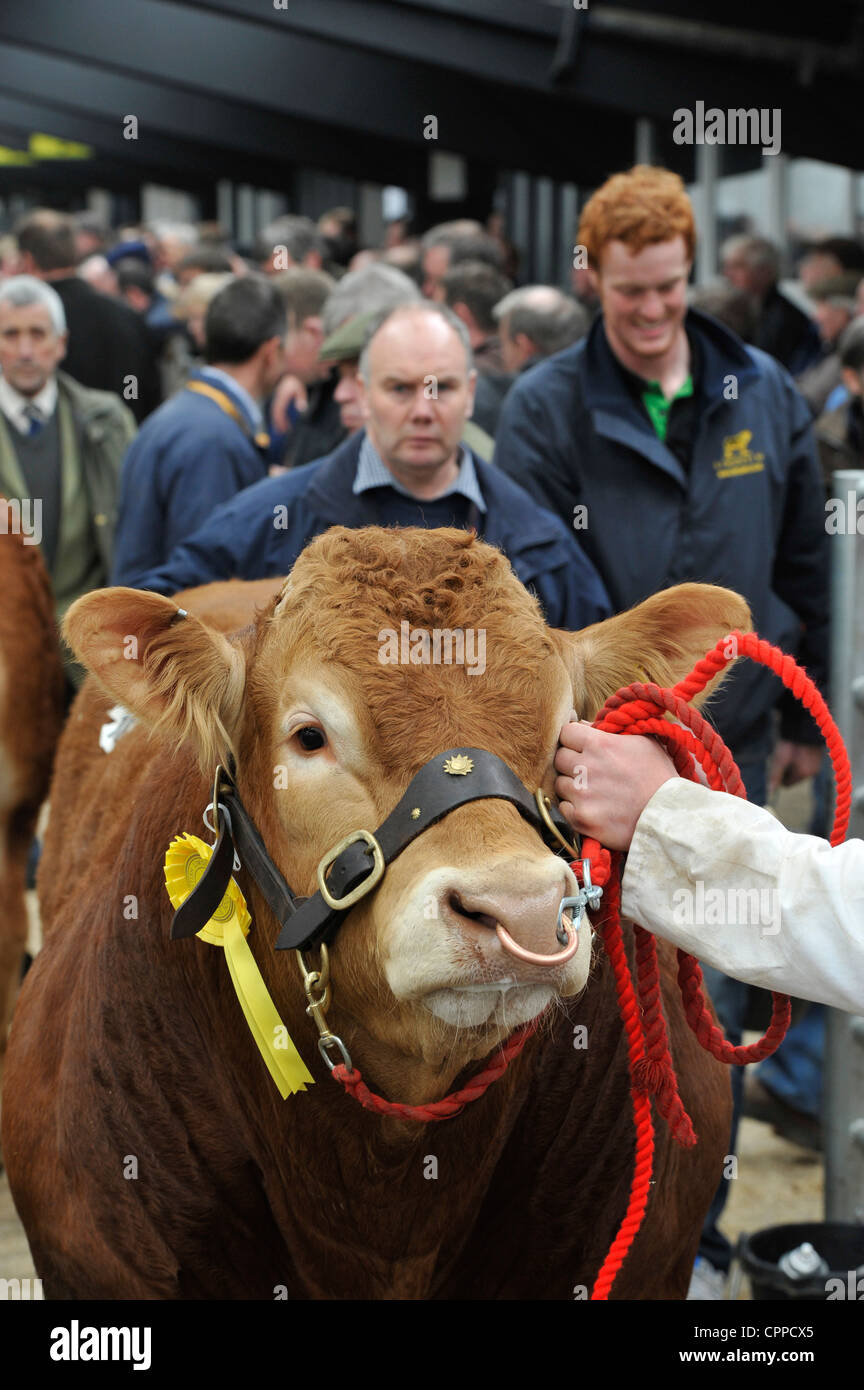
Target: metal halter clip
217 806
592 891
320 980
589 895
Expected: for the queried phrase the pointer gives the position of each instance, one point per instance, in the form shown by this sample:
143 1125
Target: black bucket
841 1245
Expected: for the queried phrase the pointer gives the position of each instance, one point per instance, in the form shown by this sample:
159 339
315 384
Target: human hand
289 391
792 762
606 780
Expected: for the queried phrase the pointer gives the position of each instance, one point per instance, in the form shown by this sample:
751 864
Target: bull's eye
311 738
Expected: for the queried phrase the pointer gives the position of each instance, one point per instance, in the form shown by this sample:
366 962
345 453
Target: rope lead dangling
641 708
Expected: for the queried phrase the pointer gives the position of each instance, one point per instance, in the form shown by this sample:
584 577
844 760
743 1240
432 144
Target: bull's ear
171 671
659 640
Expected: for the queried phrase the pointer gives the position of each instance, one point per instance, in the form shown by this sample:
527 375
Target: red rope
644 1162
450 1105
634 710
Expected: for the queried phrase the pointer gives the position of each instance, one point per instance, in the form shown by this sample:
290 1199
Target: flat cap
346 344
834 287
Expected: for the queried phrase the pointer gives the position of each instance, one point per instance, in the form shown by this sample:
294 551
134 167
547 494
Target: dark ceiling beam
230 127
151 152
509 41
350 97
240 78
528 16
827 23
453 39
195 50
545 137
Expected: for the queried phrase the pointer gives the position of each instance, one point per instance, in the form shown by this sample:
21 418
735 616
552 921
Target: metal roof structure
253 89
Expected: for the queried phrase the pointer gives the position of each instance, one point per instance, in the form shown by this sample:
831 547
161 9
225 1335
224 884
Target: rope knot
650 1076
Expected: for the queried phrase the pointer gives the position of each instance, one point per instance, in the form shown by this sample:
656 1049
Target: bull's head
334 700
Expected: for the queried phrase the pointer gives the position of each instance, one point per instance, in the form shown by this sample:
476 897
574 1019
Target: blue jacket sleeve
138 539
166 497
231 544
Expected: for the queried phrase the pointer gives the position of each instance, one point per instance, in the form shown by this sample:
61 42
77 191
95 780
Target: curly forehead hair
349 588
641 207
443 575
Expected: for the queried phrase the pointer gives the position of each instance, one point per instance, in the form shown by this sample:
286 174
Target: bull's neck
396 1197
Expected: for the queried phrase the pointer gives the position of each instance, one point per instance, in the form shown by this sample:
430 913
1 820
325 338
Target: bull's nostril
456 905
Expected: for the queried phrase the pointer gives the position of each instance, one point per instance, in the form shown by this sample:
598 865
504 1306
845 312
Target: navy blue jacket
749 514
187 458
262 531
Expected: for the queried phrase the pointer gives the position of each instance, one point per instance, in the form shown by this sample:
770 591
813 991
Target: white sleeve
725 881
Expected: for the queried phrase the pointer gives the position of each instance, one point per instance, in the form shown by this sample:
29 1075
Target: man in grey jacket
61 445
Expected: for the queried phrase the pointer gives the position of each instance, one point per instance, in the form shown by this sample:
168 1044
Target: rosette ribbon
185 861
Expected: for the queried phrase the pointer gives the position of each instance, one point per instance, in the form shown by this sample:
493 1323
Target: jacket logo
738 457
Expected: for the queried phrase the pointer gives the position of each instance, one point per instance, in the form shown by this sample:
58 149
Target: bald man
407 467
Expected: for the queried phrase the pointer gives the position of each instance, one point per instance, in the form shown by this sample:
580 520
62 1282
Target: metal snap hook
590 893
562 928
214 830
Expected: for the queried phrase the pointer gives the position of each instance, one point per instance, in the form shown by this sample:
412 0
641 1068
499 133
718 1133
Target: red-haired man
679 453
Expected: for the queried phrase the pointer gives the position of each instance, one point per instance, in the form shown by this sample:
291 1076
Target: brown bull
31 716
150 1154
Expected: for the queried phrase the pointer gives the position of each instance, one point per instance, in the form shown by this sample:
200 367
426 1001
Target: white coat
725 881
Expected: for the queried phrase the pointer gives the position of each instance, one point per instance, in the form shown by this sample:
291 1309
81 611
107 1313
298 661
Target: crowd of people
187 414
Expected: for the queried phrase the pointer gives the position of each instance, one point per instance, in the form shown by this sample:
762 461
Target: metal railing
843 1114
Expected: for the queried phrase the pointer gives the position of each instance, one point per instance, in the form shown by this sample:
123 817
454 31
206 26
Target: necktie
34 415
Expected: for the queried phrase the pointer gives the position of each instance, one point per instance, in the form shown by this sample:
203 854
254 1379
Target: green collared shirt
659 406
674 421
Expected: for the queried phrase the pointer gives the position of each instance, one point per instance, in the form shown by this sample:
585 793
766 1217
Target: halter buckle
374 878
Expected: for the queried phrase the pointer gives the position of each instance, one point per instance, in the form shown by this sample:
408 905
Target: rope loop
645 708
451 1105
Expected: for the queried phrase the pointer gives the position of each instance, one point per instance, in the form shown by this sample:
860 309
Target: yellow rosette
185 861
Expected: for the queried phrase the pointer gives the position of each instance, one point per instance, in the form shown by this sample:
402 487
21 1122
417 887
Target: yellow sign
10 156
52 147
738 458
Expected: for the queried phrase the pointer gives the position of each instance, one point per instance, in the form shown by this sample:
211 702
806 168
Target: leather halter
356 864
